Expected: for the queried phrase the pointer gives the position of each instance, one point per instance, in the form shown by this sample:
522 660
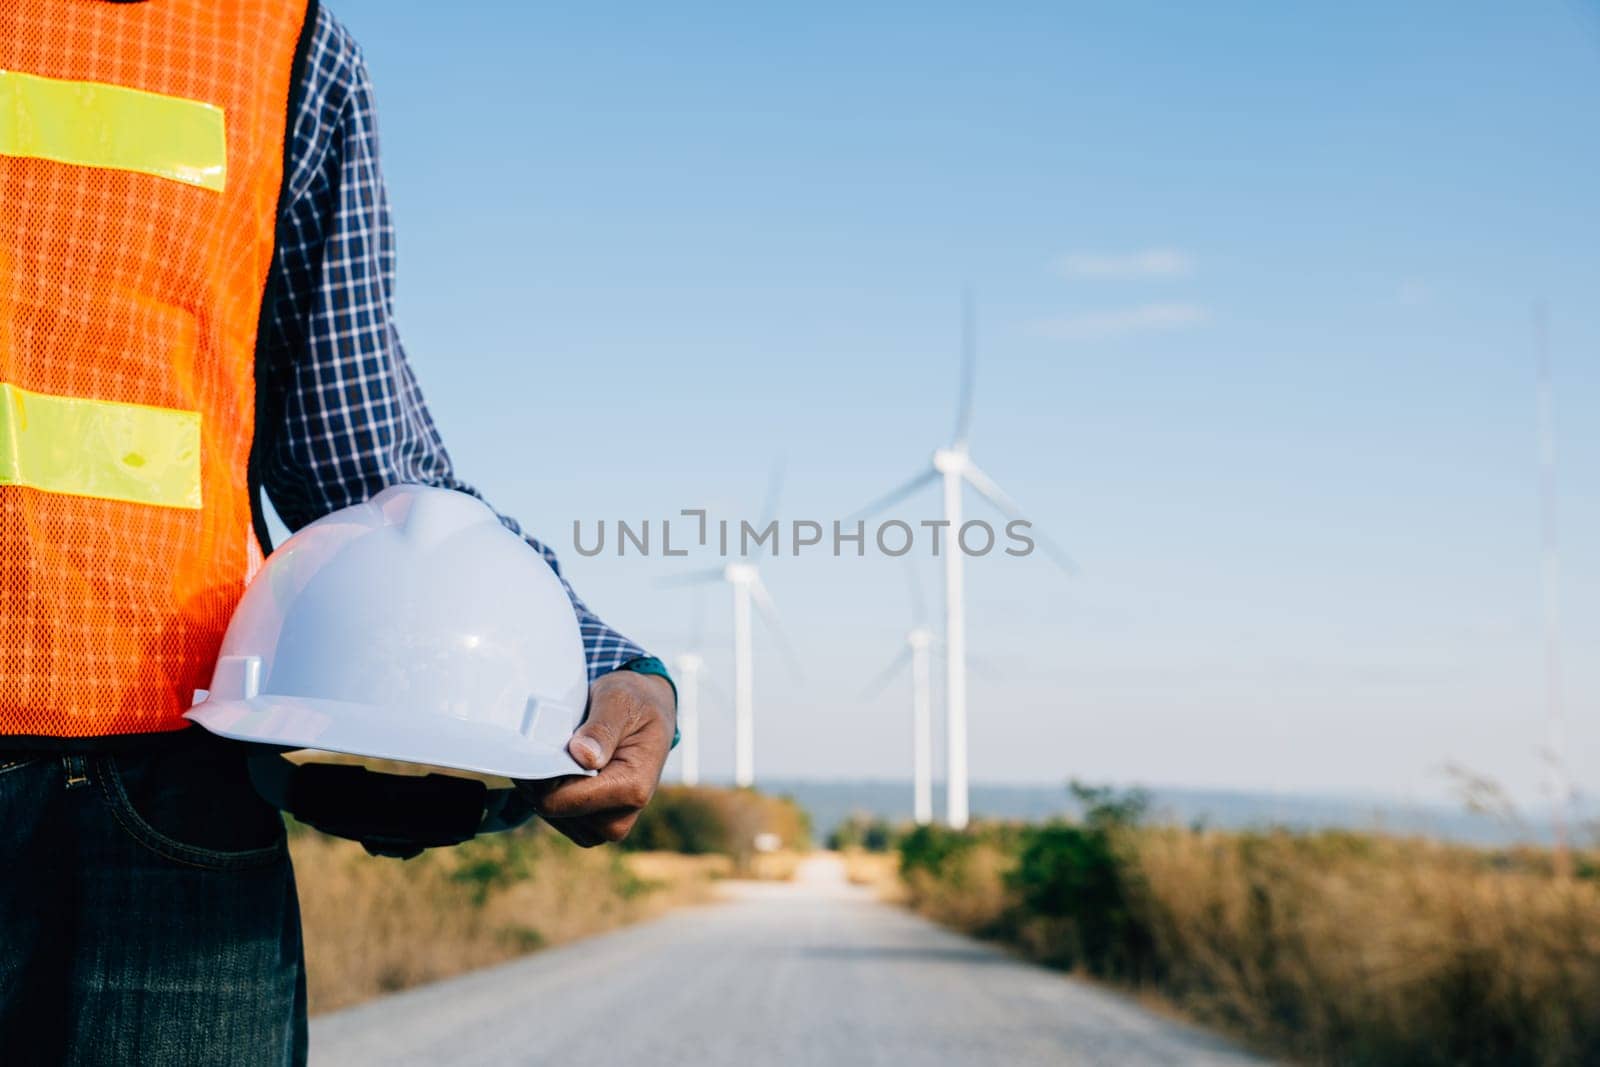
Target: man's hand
626 738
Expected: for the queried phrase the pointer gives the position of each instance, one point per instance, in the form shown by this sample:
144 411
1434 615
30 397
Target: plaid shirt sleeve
349 417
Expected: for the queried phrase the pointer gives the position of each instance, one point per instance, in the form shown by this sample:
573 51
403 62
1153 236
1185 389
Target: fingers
589 831
626 738
577 832
617 825
621 785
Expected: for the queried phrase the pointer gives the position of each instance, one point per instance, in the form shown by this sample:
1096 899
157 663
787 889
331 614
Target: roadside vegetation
1328 947
742 824
867 846
375 925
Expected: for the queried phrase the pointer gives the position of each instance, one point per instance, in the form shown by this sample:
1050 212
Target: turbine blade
881 680
978 666
996 495
889 500
969 368
761 597
710 574
769 615
991 492
769 509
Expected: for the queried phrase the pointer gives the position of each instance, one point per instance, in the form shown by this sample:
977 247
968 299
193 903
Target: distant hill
830 803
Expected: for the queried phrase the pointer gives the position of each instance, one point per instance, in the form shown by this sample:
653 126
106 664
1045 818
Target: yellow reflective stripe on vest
91 124
60 444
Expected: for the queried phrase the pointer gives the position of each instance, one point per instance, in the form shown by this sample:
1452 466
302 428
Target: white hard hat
413 627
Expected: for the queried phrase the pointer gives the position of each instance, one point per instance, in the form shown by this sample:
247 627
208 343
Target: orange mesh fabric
137 289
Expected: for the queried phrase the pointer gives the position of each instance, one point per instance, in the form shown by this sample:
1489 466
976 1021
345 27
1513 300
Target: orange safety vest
141 161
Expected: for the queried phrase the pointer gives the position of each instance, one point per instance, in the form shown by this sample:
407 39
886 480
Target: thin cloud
1121 322
1150 263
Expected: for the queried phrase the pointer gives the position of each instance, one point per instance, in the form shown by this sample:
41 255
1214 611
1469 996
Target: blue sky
1254 290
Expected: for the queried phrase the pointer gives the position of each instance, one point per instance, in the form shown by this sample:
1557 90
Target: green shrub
494 861
1073 878
1074 905
878 837
680 820
930 850
702 820
863 832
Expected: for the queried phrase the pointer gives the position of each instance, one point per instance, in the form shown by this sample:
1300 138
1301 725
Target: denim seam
143 833
6 766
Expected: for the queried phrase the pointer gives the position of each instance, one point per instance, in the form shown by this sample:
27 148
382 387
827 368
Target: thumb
596 740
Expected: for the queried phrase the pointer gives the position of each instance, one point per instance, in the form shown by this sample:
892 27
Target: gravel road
813 972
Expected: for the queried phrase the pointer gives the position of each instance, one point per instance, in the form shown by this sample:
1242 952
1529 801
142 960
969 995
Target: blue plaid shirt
350 418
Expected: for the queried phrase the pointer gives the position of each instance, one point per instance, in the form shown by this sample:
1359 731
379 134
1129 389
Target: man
196 265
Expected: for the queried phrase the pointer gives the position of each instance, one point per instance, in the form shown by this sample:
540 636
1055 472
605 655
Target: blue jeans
147 910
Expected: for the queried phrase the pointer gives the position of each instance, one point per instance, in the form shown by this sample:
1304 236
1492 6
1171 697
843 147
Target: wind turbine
919 642
953 465
744 579
687 668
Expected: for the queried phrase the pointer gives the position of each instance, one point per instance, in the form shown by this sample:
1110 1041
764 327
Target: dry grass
972 895
677 873
1385 950
373 925
1328 948
776 866
878 871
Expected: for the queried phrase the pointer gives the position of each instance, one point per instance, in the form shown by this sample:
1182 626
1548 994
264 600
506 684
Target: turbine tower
917 650
953 465
744 579
688 666
747 588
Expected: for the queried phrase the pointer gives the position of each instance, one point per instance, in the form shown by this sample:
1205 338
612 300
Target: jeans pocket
189 814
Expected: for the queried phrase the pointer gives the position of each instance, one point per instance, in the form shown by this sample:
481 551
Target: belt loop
77 774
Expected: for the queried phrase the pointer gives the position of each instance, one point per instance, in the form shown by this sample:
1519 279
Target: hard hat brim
364 730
